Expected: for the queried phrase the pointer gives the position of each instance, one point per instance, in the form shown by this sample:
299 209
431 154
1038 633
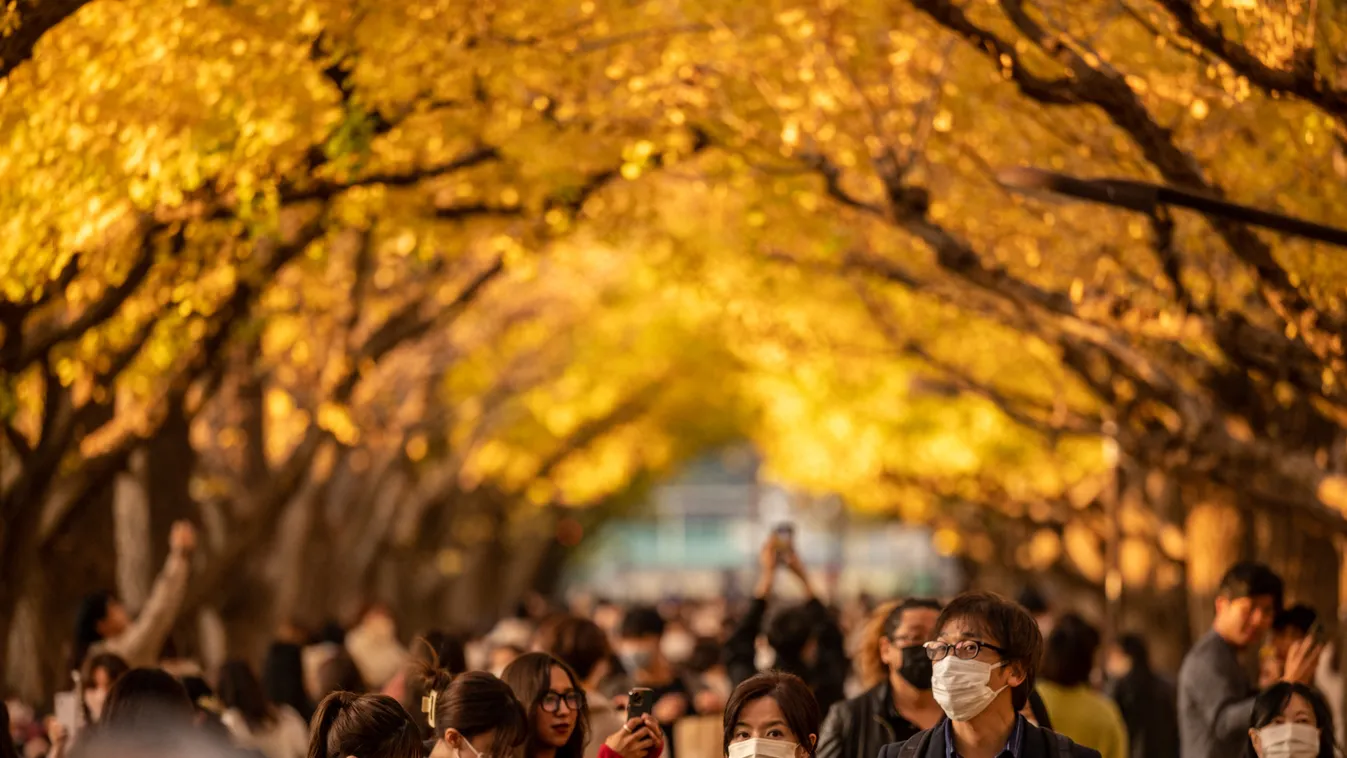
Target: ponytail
323 718
370 726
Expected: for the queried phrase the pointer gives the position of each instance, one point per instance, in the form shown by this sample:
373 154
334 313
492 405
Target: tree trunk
1216 533
131 518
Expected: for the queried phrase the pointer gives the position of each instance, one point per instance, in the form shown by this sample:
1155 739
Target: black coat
859 727
1038 743
826 676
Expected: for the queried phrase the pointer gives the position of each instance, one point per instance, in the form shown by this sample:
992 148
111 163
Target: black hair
283 678
7 749
895 617
1271 702
530 677
1251 579
340 674
1033 601
241 691
93 608
332 633
789 630
1009 625
705 656
147 700
1299 616
1134 647
112 664
433 653
1070 653
370 726
577 641
474 703
792 696
642 621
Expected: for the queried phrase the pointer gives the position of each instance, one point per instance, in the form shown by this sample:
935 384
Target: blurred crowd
979 674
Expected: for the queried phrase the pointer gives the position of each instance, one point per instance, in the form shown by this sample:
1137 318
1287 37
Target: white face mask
759 747
961 687
1288 741
677 647
470 749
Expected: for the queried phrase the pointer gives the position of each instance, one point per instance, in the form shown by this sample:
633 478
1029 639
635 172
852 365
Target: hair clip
428 707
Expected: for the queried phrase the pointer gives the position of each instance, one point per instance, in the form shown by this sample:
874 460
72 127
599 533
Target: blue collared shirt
1014 745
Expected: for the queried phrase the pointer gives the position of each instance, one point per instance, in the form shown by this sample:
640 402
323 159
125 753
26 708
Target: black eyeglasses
573 699
965 650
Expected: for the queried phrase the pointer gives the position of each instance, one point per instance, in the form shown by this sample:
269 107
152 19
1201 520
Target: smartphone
640 701
66 707
784 536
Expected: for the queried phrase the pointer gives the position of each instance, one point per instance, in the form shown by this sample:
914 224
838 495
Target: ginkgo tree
417 282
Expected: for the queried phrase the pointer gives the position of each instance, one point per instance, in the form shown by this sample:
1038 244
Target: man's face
959 630
917 627
1244 620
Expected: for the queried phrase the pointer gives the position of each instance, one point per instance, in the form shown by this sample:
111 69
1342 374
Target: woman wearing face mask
1290 720
985 655
901 704
772 715
559 717
472 715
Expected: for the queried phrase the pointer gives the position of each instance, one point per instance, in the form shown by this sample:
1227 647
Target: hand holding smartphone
783 538
640 701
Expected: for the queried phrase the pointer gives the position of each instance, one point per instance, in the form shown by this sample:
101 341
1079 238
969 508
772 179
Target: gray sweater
1215 700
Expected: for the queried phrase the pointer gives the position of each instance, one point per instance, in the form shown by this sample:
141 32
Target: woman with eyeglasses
559 716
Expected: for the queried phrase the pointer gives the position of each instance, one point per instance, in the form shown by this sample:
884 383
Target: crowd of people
979 676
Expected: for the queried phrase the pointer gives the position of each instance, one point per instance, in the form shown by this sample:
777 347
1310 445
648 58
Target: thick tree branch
94 315
34 19
1301 80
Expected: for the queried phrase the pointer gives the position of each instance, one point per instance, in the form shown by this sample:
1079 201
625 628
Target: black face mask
916 667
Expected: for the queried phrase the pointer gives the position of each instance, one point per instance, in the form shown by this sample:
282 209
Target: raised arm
742 647
144 638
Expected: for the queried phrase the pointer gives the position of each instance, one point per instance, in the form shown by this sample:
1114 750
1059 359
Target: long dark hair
6 742
530 677
1272 701
283 678
370 726
791 694
93 608
474 703
111 663
147 699
240 690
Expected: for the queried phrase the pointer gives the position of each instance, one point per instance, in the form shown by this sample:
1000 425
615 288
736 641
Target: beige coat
142 642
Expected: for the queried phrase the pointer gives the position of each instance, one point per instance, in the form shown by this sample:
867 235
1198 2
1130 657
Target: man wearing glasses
984 657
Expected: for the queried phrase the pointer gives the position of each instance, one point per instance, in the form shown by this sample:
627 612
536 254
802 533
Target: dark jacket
1038 743
1150 710
826 676
859 727
1215 700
